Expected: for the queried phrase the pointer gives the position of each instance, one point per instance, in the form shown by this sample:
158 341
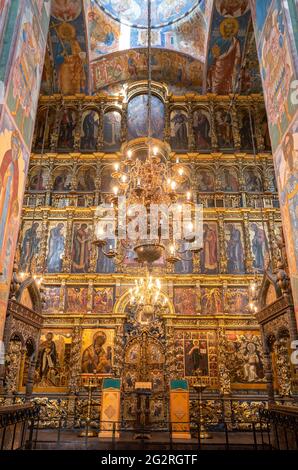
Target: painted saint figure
90 130
201 129
199 356
47 357
260 247
30 247
81 249
95 358
235 251
56 249
209 253
179 132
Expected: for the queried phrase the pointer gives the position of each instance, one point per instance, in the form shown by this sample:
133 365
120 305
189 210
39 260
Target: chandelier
154 180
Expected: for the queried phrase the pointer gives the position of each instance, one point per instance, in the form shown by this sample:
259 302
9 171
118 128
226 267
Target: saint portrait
56 247
86 179
202 129
51 299
76 299
81 247
67 129
179 129
137 117
223 125
229 180
185 300
209 254
103 299
62 179
30 244
206 180
259 245
234 248
196 357
89 130
112 130
97 356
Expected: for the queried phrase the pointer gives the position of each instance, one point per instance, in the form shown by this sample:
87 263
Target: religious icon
76 299
85 179
97 357
206 181
212 301
202 129
137 117
252 180
81 248
236 300
235 251
185 265
229 180
38 180
179 129
196 357
105 264
246 358
67 129
103 299
89 131
112 130
246 128
260 246
233 8
62 180
30 246
56 246
185 300
209 256
223 122
51 299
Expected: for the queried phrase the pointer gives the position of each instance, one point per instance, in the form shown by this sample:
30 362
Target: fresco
62 179
246 358
260 245
67 129
206 180
137 117
223 125
76 299
196 352
259 12
103 299
69 47
229 27
202 129
234 248
250 77
52 299
89 130
209 254
112 130
212 301
26 71
229 180
52 366
81 247
167 66
179 129
30 245
103 32
86 179
48 78
97 351
56 247
185 300
236 300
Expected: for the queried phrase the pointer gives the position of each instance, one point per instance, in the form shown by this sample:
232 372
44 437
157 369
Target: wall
275 24
23 32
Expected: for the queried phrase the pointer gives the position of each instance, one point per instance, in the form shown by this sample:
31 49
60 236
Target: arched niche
269 291
112 120
120 306
89 129
137 117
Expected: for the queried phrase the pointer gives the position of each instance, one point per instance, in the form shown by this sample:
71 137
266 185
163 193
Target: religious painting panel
107 182
103 299
206 180
44 128
81 247
62 179
229 27
53 361
245 357
56 246
38 179
229 179
185 265
67 129
86 179
51 299
265 130
246 129
259 240
209 255
211 300
97 351
253 180
236 300
235 248
185 300
272 185
76 299
112 130
202 129
89 130
137 117
104 264
69 48
224 128
31 236
179 129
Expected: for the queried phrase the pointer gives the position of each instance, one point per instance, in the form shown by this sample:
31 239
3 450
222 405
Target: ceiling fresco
207 46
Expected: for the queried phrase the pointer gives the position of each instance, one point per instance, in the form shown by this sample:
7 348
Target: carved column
118 350
191 137
222 246
273 246
214 141
268 371
97 182
258 127
235 127
41 258
13 360
283 367
75 360
100 136
247 245
167 131
66 265
62 297
55 134
30 376
199 297
124 130
90 297
77 132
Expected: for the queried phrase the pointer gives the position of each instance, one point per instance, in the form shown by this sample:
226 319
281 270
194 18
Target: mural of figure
71 61
47 358
179 130
205 181
223 122
235 253
232 7
30 246
225 59
95 358
209 260
201 129
260 246
67 127
89 131
86 180
56 249
229 180
198 355
81 248
252 181
112 130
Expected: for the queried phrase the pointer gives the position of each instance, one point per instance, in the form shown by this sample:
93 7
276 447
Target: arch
38 178
90 125
269 281
137 116
85 177
34 293
202 127
205 177
61 178
67 126
123 301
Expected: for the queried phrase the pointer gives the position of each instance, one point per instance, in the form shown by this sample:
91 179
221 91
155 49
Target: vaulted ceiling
200 45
